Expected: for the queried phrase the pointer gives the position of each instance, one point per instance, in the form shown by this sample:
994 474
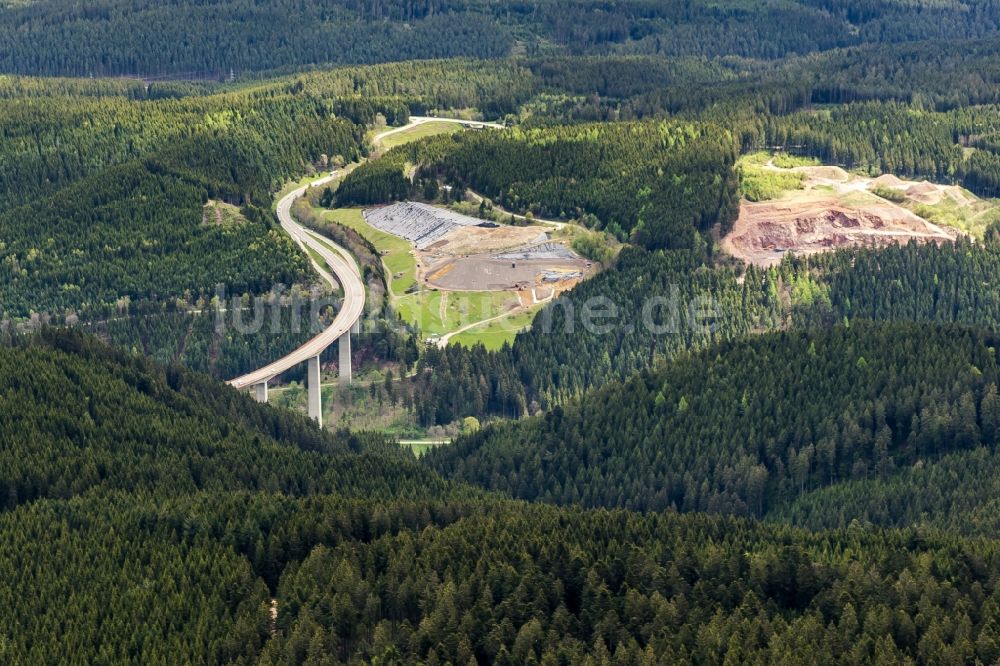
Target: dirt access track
835 209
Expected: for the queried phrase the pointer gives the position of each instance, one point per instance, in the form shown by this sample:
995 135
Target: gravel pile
553 251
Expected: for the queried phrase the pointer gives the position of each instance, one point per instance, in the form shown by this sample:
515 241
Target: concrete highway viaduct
347 321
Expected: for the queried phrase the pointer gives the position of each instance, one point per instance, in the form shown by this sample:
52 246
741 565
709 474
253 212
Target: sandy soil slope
836 209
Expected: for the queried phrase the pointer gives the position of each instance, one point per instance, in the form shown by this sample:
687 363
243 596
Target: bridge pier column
260 392
312 384
344 346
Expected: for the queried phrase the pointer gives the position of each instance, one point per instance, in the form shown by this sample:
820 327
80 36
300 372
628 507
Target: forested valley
153 492
876 118
667 302
786 464
754 425
142 211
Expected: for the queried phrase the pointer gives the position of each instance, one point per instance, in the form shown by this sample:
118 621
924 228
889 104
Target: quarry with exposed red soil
835 209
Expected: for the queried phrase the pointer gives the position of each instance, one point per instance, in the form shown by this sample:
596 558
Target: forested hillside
114 193
660 184
81 418
162 495
658 304
858 108
911 283
239 142
746 427
684 459
213 39
938 74
109 460
668 302
127 222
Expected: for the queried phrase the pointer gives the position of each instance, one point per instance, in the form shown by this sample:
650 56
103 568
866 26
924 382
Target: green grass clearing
973 219
396 251
440 312
316 256
222 214
494 334
760 183
418 132
422 446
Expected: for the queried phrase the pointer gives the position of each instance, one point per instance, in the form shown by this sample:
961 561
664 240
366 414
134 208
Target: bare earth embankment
835 209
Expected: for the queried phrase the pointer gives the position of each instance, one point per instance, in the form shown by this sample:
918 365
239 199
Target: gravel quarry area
836 209
924 191
546 250
766 231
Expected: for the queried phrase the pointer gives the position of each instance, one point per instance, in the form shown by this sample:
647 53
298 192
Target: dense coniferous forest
668 302
616 174
657 183
722 464
137 230
93 420
214 39
744 427
225 510
939 75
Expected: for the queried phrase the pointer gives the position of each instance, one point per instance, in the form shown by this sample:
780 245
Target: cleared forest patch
438 313
456 252
417 132
493 334
468 270
221 214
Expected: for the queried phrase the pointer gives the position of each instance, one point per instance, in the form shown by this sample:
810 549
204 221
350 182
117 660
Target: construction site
456 252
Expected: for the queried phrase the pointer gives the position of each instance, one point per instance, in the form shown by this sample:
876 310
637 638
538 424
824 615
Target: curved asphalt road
345 272
420 120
